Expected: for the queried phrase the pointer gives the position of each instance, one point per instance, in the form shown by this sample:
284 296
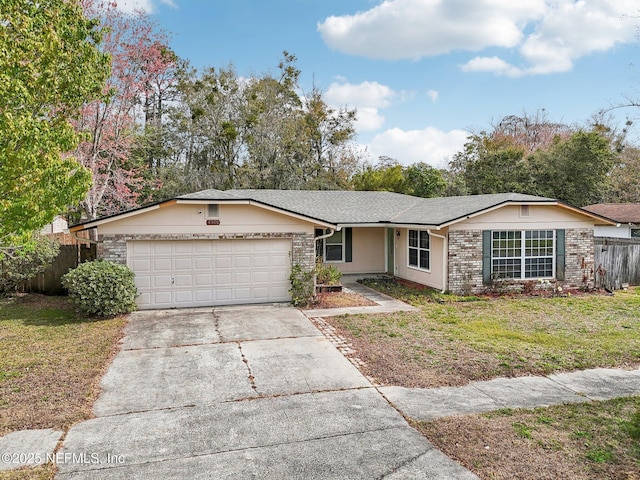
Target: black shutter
486 257
348 245
560 254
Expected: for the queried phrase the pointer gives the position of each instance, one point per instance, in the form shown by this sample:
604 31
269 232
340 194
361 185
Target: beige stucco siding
192 219
434 277
368 252
509 218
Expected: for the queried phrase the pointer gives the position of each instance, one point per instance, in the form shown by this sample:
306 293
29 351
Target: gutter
80 239
445 263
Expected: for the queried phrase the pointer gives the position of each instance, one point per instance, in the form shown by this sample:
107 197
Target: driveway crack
403 464
216 323
252 379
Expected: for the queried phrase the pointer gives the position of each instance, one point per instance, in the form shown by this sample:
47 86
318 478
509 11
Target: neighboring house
237 246
59 225
627 216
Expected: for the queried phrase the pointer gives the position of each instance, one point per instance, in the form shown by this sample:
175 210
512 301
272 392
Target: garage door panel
280 260
183 297
242 247
243 261
141 248
223 294
242 293
162 265
143 282
222 246
162 248
203 263
242 278
261 277
223 278
210 272
183 281
223 262
183 264
204 296
204 280
161 281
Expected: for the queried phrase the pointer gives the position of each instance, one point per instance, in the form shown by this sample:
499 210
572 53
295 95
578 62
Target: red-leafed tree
141 74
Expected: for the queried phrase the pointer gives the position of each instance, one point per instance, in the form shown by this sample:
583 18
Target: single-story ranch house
626 214
238 246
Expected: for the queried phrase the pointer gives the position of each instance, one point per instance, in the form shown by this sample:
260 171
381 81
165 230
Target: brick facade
465 261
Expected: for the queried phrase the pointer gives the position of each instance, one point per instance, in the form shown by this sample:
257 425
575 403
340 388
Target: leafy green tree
387 175
423 180
492 165
575 170
624 178
49 66
230 132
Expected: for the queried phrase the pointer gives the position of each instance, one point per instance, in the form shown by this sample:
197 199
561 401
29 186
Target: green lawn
597 440
451 342
51 362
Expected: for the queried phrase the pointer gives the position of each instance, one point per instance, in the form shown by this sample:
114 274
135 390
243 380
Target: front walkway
386 304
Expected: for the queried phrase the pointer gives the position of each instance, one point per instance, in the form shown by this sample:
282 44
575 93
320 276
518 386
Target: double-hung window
419 249
522 254
334 247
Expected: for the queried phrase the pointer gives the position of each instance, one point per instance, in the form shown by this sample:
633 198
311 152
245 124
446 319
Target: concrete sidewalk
522 392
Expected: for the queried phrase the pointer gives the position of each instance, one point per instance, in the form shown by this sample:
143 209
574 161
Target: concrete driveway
242 392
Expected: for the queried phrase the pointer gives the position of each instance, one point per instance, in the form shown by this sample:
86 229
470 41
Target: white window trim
417 267
324 250
523 257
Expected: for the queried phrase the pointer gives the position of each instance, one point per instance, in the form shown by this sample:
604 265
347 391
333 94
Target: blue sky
425 73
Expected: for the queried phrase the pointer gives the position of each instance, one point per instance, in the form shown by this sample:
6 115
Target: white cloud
491 64
147 6
429 145
548 35
398 29
367 97
433 95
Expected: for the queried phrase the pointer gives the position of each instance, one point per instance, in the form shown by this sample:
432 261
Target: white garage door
194 273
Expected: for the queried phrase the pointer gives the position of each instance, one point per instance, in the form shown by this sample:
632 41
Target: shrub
102 288
22 264
327 275
302 289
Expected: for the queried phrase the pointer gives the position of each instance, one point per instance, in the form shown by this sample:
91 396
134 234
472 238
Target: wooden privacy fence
50 281
617 262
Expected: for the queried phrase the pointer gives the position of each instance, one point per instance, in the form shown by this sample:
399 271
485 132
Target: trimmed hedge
102 288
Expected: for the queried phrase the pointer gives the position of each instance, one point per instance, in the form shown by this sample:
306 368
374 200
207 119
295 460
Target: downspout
327 235
445 263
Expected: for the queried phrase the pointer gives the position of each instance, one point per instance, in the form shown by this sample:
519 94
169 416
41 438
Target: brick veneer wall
579 258
465 260
114 247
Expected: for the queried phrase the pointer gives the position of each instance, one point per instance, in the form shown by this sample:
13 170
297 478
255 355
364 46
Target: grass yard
598 440
453 340
51 362
450 341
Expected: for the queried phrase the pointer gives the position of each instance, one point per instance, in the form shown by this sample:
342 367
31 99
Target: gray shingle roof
358 207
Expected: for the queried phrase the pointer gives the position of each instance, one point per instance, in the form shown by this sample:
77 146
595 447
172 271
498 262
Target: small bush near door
102 288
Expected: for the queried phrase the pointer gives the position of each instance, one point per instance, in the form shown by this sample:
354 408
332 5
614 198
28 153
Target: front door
391 250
